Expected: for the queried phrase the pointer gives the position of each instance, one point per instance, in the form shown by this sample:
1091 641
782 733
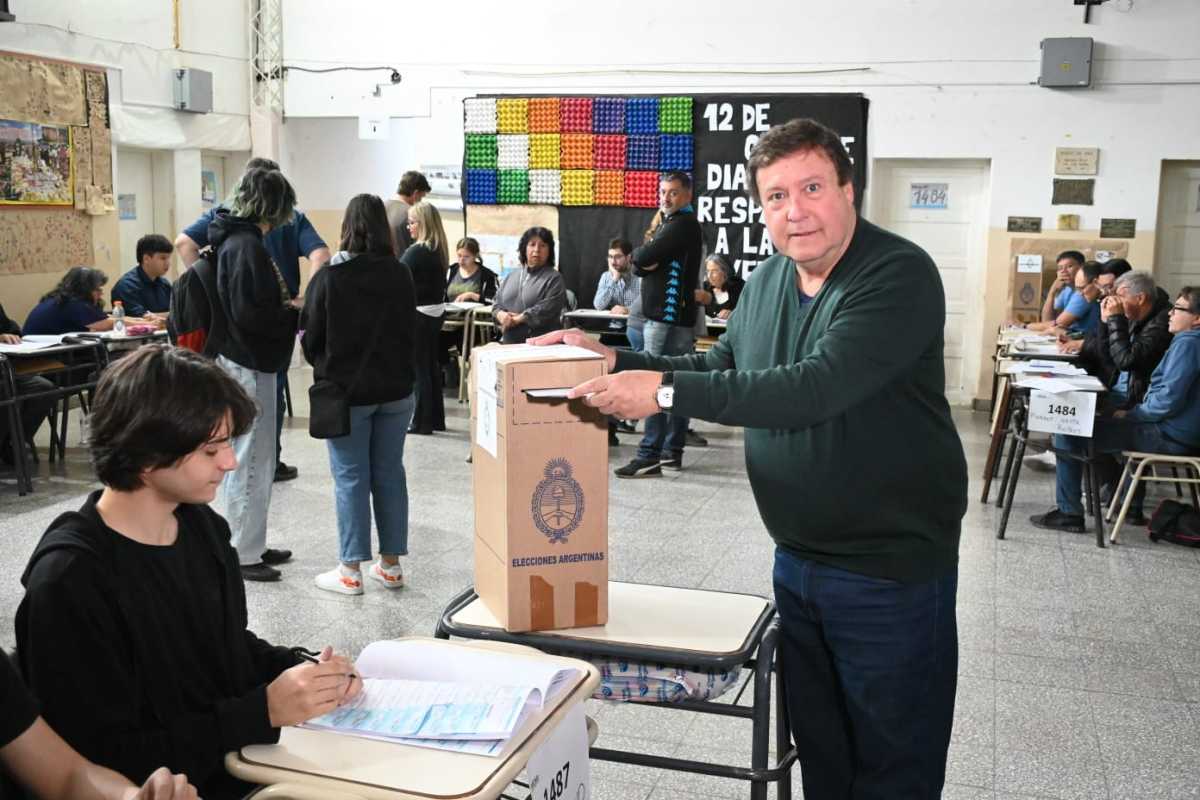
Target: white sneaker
1042 462
342 580
391 577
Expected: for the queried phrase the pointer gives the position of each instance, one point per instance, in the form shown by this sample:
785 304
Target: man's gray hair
1137 283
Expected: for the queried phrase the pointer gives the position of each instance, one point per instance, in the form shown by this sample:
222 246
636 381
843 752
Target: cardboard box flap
505 354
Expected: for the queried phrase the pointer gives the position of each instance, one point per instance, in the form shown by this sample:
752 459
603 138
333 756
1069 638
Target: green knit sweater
850 449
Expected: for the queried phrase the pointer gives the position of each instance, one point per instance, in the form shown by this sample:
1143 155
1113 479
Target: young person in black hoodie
359 319
132 632
261 334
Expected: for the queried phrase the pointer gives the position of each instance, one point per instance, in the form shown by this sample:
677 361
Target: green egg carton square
481 151
513 186
675 115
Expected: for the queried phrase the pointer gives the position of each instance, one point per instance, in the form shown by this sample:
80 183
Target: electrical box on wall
193 90
1066 62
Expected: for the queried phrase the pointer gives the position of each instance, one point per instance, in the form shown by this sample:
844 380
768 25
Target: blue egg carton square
608 115
641 115
481 186
642 152
675 151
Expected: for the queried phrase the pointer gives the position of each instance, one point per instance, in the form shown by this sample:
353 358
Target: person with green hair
261 333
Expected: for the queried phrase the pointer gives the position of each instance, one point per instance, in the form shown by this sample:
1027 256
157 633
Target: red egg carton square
641 189
576 151
544 114
575 114
610 151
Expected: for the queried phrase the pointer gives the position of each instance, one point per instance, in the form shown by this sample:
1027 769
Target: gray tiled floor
1079 669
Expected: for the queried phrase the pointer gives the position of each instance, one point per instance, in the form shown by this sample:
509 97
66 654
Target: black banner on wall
726 128
584 233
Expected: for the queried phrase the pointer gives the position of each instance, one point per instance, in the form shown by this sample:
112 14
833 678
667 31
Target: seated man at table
1082 312
33 412
1132 338
1166 421
132 632
1062 290
144 290
75 305
619 291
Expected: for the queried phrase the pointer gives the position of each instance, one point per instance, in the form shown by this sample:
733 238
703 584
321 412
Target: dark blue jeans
1109 436
871 667
665 433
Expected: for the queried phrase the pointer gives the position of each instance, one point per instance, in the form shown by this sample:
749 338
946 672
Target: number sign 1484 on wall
928 195
1070 413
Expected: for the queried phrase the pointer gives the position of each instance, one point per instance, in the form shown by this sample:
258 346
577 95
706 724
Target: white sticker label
485 422
1070 413
560 769
1029 263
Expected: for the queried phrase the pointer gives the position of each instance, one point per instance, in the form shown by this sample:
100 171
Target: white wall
134 39
945 79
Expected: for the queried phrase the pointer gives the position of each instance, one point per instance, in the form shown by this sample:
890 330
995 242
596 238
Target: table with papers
315 761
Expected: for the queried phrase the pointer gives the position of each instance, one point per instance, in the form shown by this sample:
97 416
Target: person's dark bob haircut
1116 267
77 284
365 227
536 232
264 195
156 406
798 136
153 243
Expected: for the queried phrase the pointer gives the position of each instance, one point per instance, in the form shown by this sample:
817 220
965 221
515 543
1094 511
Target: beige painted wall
20 293
329 224
998 285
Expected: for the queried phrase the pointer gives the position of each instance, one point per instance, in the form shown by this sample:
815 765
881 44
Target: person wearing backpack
1166 421
261 328
359 321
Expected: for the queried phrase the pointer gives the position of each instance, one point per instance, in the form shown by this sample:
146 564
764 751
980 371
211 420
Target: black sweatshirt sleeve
671 239
313 318
74 655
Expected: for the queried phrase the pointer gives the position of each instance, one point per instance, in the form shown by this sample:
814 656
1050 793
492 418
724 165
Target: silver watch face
666 396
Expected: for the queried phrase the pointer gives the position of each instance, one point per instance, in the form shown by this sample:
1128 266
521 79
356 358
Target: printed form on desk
413 695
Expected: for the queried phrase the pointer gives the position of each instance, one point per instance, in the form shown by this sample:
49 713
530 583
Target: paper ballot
473 703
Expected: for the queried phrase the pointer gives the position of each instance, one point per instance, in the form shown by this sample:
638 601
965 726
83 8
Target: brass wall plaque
1024 224
1117 228
1073 191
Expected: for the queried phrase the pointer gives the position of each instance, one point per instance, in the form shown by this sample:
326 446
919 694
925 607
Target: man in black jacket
668 265
34 411
132 632
1133 338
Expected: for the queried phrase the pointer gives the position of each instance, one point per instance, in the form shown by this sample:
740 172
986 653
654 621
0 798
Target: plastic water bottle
118 318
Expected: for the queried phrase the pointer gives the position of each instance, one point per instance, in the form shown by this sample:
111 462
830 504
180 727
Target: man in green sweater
833 365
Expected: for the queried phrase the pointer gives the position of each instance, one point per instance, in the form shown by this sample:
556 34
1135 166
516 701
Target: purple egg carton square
608 115
642 152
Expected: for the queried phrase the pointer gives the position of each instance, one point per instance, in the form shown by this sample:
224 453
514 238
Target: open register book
472 704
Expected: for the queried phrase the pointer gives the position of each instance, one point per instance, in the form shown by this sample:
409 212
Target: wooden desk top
338 766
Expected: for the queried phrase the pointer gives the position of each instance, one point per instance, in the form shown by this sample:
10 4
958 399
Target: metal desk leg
1093 486
1012 473
783 729
1009 465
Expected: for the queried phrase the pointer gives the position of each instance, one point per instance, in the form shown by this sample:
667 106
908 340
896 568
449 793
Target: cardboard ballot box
541 488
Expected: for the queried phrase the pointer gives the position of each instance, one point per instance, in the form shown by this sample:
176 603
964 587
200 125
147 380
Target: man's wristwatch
665 394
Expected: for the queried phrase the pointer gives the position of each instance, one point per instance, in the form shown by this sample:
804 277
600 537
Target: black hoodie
105 681
262 325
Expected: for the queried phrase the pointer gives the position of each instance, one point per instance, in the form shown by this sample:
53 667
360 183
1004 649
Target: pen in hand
309 657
